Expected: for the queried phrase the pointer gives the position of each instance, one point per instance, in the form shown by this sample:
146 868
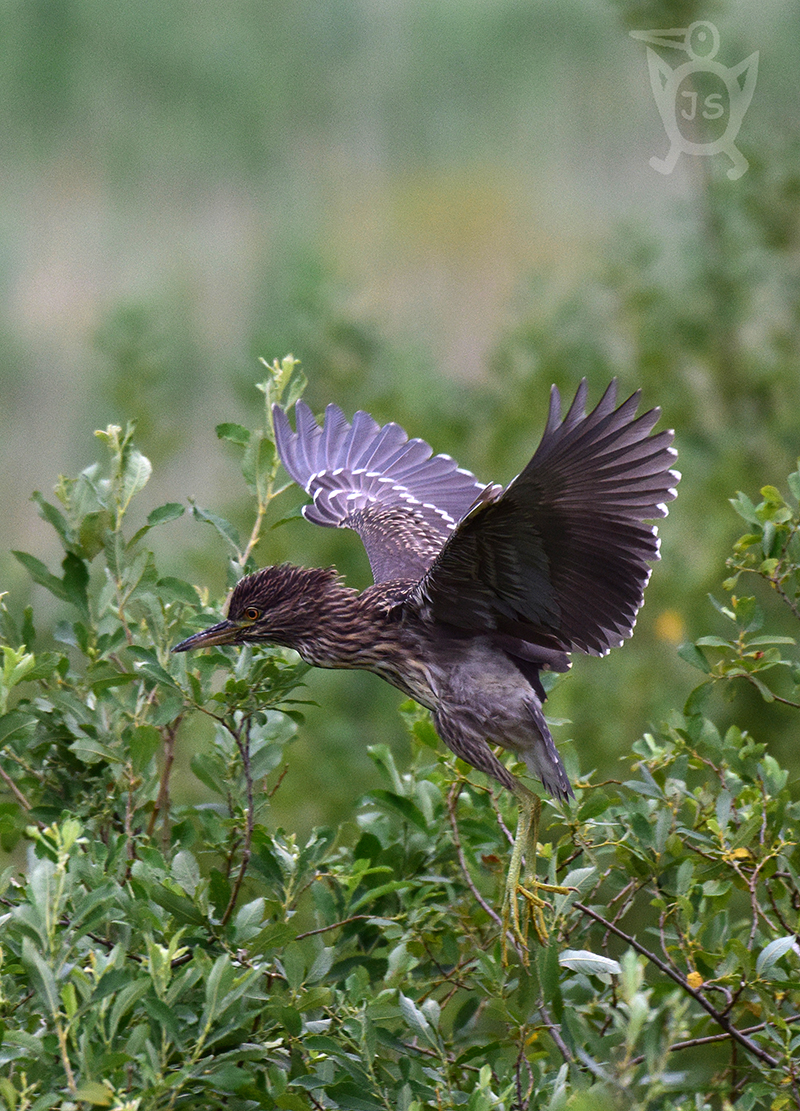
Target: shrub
159 953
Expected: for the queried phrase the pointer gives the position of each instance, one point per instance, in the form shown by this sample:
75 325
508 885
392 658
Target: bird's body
478 695
477 589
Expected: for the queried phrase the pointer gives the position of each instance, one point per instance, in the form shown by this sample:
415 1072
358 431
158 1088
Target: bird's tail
542 759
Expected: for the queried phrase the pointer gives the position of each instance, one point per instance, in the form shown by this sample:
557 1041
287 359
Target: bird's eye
252 614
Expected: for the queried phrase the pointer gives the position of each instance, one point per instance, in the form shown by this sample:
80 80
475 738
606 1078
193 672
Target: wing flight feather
402 500
563 553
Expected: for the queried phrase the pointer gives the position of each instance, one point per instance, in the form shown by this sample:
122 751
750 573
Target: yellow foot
516 926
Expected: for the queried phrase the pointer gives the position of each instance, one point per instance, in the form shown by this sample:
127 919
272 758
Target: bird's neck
344 628
326 624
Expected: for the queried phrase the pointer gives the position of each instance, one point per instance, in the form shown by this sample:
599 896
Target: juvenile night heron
477 589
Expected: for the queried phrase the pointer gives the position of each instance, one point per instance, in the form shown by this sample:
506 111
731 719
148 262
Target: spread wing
560 558
402 500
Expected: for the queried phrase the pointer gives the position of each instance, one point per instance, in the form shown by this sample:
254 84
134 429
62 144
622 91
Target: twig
522 1102
255 535
244 752
720 1019
14 789
335 925
452 800
775 697
130 852
278 781
710 1039
555 1033
162 802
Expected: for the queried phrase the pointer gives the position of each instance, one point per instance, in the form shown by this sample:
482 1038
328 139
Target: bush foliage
160 954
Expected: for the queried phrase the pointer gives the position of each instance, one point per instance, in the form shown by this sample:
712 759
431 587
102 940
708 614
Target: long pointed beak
226 632
663 38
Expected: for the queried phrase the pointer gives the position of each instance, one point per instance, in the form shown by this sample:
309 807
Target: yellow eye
252 614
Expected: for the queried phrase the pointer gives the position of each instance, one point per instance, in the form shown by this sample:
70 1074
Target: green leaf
164 513
294 385
745 508
125 1001
182 909
292 1020
414 1017
234 433
288 1101
405 807
383 756
286 383
794 484
92 532
135 476
274 936
54 517
44 975
321 966
749 615
249 919
145 741
185 871
165 1016
698 700
295 514
592 964
14 724
772 495
147 664
210 771
219 891
225 529
762 688
41 575
692 655
773 952
96 1094
266 464
160 516
379 891
217 986
91 751
720 608
76 581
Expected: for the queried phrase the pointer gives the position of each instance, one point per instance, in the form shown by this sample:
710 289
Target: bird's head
277 605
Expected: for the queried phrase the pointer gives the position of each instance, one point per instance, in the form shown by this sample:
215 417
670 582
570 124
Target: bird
478 588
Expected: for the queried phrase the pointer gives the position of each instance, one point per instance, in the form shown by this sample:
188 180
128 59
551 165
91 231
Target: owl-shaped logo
701 102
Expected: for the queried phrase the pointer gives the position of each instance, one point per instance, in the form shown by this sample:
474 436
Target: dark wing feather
401 500
560 558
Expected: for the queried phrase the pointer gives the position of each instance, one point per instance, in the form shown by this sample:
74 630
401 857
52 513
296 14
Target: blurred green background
440 207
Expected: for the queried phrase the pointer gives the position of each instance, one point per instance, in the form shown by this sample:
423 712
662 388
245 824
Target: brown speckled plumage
477 589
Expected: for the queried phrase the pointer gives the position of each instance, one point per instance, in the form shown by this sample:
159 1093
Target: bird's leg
525 844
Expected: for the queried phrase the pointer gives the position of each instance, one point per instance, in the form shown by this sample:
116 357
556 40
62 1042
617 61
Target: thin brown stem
162 802
719 1018
255 535
15 791
334 926
243 744
452 801
712 1039
555 1033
